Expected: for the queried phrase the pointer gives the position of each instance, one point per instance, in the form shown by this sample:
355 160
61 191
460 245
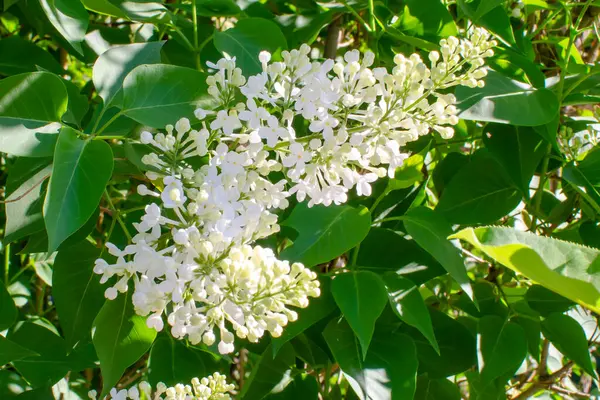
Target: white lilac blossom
213 387
322 128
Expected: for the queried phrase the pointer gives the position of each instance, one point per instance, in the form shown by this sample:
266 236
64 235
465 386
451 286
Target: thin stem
108 137
372 15
537 201
107 124
117 216
6 263
195 22
380 221
357 15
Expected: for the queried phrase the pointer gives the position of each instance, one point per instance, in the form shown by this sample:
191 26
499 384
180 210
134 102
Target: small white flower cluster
315 129
213 387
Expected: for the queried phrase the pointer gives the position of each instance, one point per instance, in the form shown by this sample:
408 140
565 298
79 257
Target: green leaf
77 292
317 309
70 19
10 351
407 303
519 150
18 55
427 18
568 269
481 192
249 37
217 8
325 232
545 301
78 104
157 95
268 372
447 169
506 101
120 337
384 250
31 107
8 310
457 347
533 333
51 364
171 362
25 188
502 348
113 65
104 7
362 297
429 229
389 370
491 15
569 338
43 393
436 389
303 387
80 173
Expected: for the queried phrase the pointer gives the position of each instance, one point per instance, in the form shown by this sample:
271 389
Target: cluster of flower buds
214 387
305 128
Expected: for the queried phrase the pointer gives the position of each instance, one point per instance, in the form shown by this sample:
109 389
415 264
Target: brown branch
334 33
27 192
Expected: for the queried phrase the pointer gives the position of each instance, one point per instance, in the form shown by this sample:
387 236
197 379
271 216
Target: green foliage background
473 273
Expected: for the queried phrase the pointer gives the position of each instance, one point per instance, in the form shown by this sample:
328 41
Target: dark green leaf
70 19
362 297
389 370
25 188
430 230
77 292
325 232
303 387
18 56
426 18
268 372
502 348
249 37
80 173
30 111
384 250
78 104
480 193
436 389
569 338
120 337
157 95
519 150
506 101
113 65
8 311
533 333
407 303
491 15
546 301
10 351
217 8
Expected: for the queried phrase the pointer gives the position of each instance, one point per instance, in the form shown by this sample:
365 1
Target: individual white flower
173 195
228 122
254 115
297 157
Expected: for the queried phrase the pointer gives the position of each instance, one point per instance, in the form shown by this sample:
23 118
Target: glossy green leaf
113 65
8 311
268 372
303 387
325 232
77 292
436 389
430 230
518 149
172 362
502 348
25 188
249 37
120 338
389 370
568 269
78 104
491 15
427 18
10 351
18 56
31 107
217 8
160 94
533 333
481 192
569 338
385 250
80 173
69 18
506 101
407 303
545 301
362 297
317 309
104 7
457 347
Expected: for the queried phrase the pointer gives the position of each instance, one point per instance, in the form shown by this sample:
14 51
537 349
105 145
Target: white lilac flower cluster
214 387
305 128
